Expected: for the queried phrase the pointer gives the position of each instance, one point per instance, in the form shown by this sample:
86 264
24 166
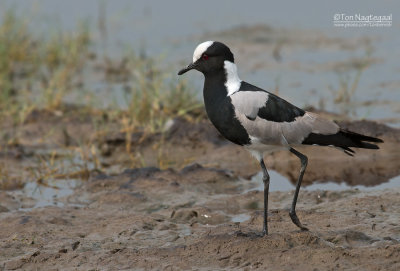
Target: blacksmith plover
261 121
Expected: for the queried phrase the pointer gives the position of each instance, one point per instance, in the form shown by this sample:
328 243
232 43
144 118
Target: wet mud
200 210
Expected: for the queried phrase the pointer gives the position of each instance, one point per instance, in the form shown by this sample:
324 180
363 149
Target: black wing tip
361 141
365 145
373 139
343 140
362 137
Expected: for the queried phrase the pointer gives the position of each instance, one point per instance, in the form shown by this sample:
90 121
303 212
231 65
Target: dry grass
349 76
39 72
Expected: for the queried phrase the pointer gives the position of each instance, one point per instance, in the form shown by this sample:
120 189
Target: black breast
221 112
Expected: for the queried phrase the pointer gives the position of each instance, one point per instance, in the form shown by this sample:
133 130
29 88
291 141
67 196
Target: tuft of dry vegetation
43 81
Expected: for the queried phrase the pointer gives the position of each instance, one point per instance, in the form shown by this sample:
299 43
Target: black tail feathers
344 140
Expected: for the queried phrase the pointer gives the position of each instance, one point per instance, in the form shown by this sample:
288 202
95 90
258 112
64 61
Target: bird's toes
303 228
297 222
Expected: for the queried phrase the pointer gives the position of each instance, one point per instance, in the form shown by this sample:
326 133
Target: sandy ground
207 214
152 219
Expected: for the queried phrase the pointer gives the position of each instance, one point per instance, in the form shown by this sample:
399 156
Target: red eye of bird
205 57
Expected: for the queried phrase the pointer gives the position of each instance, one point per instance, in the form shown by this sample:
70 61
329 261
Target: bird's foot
297 222
248 234
265 231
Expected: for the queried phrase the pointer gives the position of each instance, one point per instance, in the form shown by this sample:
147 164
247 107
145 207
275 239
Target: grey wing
273 121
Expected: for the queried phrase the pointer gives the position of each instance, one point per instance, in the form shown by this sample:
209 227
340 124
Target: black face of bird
209 57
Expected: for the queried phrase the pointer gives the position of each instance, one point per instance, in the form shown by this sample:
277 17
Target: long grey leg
292 213
266 192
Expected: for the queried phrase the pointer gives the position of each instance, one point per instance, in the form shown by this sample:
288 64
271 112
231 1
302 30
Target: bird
261 121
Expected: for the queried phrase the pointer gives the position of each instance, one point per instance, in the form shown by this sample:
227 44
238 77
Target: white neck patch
233 81
200 49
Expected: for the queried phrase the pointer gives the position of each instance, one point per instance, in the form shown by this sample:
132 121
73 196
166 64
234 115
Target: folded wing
272 120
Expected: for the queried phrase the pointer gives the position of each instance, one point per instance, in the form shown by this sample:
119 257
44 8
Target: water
51 194
173 28
240 218
277 182
281 183
55 192
392 183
